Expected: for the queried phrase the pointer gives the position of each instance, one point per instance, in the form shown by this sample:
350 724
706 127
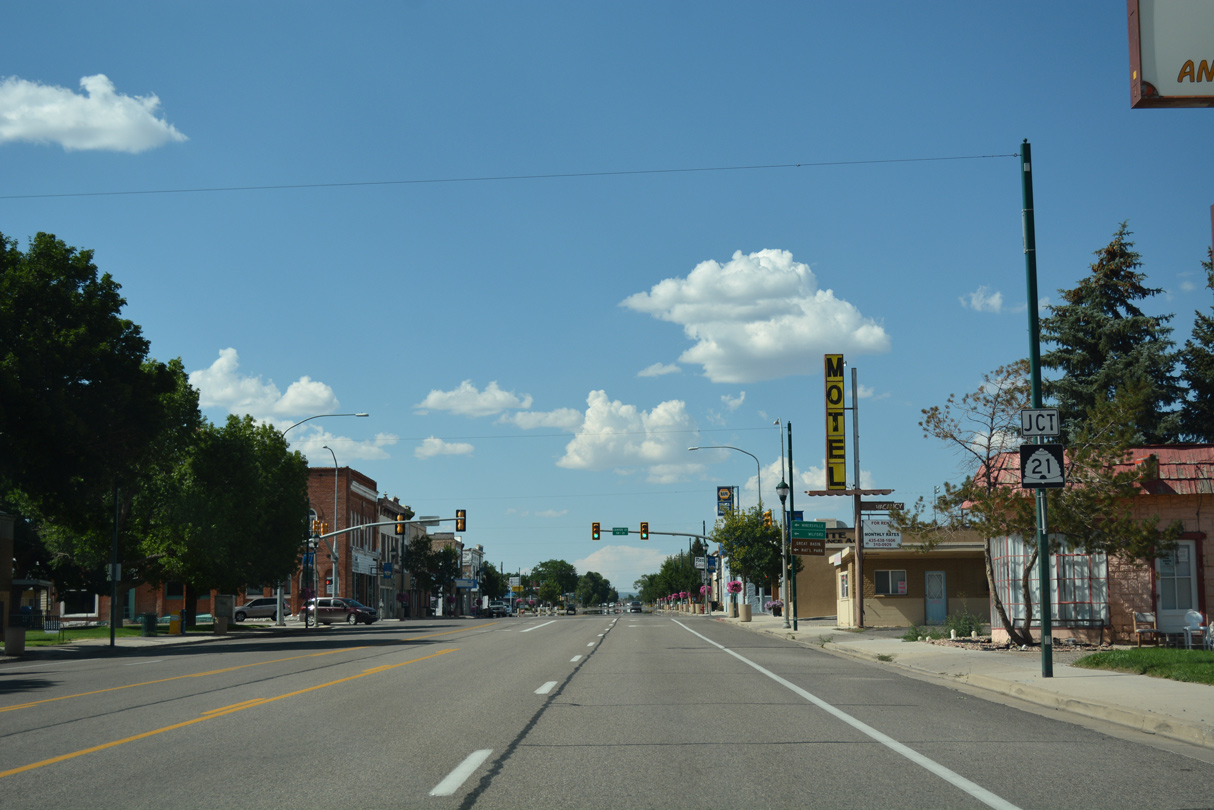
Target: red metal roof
1183 469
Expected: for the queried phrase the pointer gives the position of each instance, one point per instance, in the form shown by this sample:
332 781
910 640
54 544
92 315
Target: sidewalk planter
732 611
744 612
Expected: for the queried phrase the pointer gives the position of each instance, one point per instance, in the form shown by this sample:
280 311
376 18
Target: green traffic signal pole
1043 546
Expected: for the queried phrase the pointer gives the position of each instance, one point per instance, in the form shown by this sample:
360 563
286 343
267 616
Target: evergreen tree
1197 370
1103 342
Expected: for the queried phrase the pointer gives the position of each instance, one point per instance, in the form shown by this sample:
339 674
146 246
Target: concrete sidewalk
1179 711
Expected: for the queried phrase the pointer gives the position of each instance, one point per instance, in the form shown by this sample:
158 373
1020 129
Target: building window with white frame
889 583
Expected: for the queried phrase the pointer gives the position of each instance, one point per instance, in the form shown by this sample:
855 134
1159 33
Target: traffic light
767 518
315 527
461 520
399 528
644 530
594 531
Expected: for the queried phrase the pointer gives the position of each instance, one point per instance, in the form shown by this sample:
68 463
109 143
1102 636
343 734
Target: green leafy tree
1103 341
1093 512
593 589
445 569
754 550
494 583
421 562
550 592
236 511
80 404
558 571
1197 371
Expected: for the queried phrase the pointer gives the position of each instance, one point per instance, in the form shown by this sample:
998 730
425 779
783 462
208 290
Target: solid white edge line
538 626
957 780
546 688
461 773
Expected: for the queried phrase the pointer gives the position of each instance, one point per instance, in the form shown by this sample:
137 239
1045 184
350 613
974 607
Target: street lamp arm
319 416
758 466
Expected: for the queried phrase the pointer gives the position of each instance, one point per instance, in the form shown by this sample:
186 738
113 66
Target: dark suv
330 609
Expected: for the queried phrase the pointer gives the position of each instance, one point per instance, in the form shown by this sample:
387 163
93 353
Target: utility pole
1043 545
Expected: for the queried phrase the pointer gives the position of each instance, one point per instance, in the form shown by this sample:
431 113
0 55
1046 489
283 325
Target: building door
1176 576
935 598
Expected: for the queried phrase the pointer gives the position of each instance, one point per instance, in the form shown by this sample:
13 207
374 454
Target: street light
278 620
332 546
758 468
782 489
318 416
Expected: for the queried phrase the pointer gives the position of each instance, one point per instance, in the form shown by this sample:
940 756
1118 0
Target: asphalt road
620 712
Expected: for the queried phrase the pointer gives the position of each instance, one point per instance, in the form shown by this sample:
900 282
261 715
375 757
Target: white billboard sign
878 533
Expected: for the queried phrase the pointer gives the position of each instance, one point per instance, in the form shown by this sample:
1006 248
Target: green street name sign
807 530
617 530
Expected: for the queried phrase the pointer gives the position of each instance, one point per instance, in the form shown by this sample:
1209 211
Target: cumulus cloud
434 446
758 317
622 565
613 434
658 369
562 419
466 400
983 300
100 119
223 386
733 403
314 439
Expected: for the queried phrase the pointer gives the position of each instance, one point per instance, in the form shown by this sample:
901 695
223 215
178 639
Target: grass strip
1191 666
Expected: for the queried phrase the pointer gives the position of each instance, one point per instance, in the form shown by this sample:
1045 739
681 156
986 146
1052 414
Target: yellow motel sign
836 441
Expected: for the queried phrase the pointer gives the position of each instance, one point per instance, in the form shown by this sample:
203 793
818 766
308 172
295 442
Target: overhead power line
501 178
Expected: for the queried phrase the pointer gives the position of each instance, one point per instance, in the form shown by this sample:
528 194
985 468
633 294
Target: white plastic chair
1194 622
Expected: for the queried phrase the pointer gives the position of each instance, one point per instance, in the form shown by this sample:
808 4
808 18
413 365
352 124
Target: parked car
263 607
499 609
330 609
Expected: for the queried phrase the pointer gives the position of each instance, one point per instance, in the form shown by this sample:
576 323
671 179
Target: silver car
262 607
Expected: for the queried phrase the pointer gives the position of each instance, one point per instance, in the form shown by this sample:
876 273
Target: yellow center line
209 715
220 671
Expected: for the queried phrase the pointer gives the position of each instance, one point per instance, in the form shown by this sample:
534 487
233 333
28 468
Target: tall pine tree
1197 370
1103 343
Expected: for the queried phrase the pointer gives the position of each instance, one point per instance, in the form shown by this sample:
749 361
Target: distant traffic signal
767 518
594 531
315 527
644 530
400 525
461 520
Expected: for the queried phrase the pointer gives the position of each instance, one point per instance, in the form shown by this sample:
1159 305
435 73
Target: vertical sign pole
792 490
856 515
1030 266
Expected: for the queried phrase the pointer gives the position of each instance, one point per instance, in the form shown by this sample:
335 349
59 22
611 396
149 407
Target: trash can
148 621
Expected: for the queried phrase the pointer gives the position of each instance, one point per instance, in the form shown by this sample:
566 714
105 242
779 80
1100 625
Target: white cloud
101 119
622 565
733 403
613 434
758 317
552 513
1188 286
466 400
658 369
222 386
563 419
983 300
434 446
346 450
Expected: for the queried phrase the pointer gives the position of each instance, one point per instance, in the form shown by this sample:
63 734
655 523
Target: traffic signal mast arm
380 523
682 534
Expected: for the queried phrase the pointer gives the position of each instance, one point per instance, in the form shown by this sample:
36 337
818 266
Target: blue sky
523 238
